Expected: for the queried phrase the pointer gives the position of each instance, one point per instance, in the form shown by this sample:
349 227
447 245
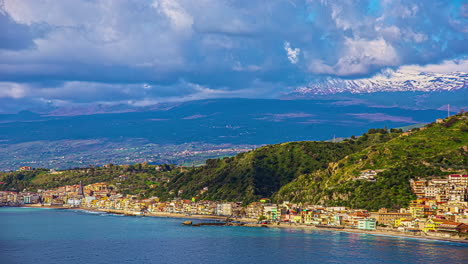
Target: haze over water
63 236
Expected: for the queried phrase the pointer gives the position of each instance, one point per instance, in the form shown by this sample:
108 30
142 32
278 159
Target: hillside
434 150
307 171
127 179
262 172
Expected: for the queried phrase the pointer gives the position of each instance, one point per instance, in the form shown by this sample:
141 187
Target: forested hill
435 150
262 172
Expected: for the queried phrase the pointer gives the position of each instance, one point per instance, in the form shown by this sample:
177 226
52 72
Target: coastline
252 223
384 233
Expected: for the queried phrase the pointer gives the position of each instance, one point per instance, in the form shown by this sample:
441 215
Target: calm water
38 236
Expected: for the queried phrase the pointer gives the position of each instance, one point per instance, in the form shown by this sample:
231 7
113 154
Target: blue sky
142 52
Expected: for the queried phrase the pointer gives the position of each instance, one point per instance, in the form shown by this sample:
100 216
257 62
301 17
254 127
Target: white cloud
359 56
12 90
446 66
179 17
293 54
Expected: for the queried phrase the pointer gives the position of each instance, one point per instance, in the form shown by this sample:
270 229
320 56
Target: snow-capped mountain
403 80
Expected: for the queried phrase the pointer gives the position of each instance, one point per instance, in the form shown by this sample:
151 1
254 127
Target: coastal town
440 210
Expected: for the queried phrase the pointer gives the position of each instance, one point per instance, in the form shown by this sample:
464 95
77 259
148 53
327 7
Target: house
418 187
448 226
254 210
368 175
224 209
458 179
271 212
406 224
287 215
463 228
367 224
74 202
25 168
388 218
436 224
31 198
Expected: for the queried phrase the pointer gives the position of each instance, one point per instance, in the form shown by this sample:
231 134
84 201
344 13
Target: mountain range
391 81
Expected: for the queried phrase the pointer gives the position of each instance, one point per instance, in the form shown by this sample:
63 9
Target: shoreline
374 233
252 223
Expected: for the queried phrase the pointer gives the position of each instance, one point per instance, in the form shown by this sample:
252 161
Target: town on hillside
441 208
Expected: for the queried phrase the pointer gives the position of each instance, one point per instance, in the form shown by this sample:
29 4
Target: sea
39 235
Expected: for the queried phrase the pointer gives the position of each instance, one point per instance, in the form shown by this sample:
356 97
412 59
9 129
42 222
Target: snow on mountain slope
403 80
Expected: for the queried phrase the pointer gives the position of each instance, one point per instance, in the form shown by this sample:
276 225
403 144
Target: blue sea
36 235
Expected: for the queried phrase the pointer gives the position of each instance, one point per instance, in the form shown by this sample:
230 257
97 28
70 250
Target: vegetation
437 149
260 173
313 172
129 179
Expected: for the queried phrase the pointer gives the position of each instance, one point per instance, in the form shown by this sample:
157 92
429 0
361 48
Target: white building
224 209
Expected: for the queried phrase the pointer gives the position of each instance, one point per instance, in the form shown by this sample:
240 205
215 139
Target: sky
141 52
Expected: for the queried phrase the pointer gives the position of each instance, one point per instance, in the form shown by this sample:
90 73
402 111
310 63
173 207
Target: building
367 224
418 186
74 202
254 210
271 212
458 179
386 218
224 209
432 191
448 226
25 168
368 175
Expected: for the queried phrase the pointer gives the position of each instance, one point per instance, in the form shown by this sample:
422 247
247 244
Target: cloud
49 94
360 57
447 66
14 36
12 90
95 51
293 54
179 17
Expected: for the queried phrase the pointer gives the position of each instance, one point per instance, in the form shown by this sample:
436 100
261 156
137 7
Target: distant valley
188 133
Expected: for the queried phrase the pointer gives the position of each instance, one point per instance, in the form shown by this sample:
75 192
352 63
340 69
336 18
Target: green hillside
434 150
262 172
139 178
